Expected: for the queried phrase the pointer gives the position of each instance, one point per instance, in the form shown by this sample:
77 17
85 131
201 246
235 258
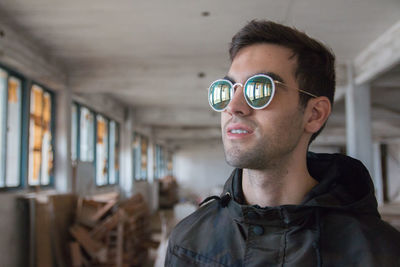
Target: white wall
201 167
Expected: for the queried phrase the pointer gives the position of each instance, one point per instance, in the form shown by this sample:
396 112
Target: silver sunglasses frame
244 94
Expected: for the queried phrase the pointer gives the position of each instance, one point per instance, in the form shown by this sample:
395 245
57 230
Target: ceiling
160 56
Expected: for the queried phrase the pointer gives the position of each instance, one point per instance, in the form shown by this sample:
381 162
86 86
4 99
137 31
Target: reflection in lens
258 91
219 94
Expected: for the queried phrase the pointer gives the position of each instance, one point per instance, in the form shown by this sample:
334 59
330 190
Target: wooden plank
87 209
100 230
134 200
103 210
133 208
42 239
76 254
62 214
105 197
120 240
95 249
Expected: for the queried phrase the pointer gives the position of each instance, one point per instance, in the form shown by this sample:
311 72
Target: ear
317 112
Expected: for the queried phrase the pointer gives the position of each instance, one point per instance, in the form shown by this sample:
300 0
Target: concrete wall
200 168
19 53
10 240
393 171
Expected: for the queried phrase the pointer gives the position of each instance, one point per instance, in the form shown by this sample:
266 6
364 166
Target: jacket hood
344 183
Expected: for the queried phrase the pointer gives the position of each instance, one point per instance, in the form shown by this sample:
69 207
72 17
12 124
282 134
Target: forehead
263 58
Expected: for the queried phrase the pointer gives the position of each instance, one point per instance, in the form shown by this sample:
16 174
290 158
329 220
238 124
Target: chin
238 159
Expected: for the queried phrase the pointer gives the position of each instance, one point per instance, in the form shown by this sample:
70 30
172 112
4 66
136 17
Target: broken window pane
40 137
101 151
86 152
13 132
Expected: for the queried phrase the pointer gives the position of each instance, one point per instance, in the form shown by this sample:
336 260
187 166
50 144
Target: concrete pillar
63 167
377 175
358 121
126 160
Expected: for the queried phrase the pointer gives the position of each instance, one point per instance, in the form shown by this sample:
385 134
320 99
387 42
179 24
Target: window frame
78 143
52 130
26 86
23 144
160 162
138 162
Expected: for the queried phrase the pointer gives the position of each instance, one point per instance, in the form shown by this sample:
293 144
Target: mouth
237 131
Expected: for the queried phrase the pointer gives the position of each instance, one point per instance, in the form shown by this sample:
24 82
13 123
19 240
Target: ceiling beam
188 133
26 55
380 56
176 117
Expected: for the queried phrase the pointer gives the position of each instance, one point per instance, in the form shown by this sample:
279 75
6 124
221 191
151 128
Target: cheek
279 126
224 118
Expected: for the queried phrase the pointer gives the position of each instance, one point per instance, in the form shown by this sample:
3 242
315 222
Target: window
217 95
250 90
10 129
86 135
160 161
101 150
74 132
225 93
41 153
96 140
114 152
140 148
169 163
26 132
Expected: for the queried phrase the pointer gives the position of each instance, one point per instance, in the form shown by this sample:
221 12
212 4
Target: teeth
238 131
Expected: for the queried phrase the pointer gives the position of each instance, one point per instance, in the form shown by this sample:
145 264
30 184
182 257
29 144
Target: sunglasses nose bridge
237 104
236 85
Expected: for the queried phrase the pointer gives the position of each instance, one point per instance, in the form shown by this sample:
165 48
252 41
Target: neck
278 185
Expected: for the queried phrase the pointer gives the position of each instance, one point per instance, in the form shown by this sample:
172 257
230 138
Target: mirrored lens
259 91
219 94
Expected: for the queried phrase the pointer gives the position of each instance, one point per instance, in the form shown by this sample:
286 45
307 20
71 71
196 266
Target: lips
238 130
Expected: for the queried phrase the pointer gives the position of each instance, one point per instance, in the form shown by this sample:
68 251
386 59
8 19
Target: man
282 206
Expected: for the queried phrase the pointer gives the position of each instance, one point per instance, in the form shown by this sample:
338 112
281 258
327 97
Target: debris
111 232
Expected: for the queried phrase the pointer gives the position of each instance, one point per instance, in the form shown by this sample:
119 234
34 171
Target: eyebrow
273 75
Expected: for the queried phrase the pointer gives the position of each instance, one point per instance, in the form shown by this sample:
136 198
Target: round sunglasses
258 92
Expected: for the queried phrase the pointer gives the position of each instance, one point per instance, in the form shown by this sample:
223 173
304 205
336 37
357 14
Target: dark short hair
315 71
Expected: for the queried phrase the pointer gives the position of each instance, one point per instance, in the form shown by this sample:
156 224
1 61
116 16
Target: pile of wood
168 192
111 233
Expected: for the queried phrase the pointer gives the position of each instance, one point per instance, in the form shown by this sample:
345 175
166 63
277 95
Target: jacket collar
344 183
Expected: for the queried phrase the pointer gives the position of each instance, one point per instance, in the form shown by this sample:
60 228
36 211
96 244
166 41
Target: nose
238 105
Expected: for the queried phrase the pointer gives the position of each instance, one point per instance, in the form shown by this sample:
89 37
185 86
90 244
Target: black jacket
337 224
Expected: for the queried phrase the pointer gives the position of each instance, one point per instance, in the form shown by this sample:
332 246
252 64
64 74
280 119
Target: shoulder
361 234
386 235
192 236
202 218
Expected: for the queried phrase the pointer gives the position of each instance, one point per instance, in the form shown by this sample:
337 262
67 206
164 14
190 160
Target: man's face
258 139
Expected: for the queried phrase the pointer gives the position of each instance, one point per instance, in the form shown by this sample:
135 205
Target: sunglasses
259 90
